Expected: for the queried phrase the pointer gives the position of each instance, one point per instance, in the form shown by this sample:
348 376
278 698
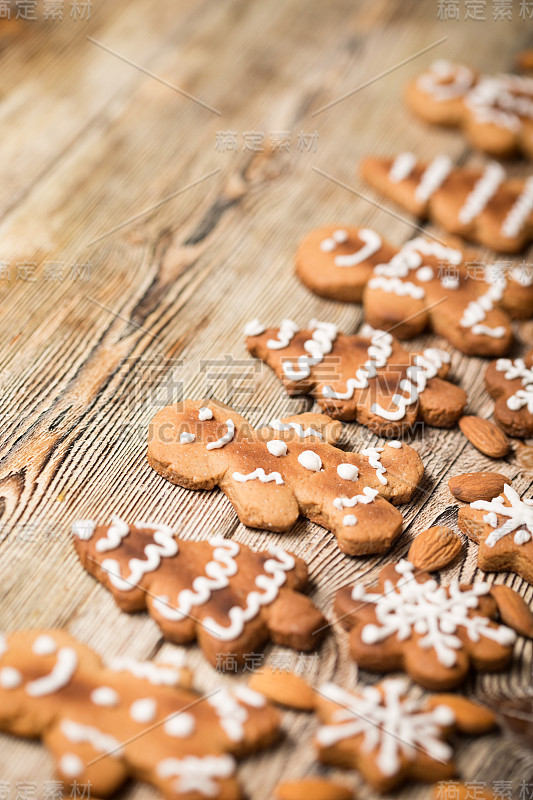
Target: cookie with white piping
510 383
290 468
479 204
369 377
495 112
423 284
503 529
436 634
220 593
391 737
133 719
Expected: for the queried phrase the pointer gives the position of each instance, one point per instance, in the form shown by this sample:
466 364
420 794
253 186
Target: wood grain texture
88 142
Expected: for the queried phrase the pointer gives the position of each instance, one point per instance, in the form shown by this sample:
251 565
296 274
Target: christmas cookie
370 377
130 720
511 385
503 528
390 737
479 204
435 633
291 467
229 598
494 111
424 284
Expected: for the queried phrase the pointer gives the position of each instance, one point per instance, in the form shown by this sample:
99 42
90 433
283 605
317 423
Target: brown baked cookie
274 474
424 284
436 634
511 385
218 592
133 719
494 111
370 378
503 528
478 204
391 738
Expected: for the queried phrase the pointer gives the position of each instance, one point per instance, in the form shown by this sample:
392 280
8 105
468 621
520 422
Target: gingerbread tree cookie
370 378
390 737
435 633
479 204
219 592
424 284
133 719
503 528
494 111
511 385
274 474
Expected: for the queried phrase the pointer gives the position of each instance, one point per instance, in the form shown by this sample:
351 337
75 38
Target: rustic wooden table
117 300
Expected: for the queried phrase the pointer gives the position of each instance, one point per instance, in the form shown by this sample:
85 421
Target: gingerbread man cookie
511 385
219 592
370 377
424 284
494 111
133 719
274 474
479 204
390 737
435 633
503 528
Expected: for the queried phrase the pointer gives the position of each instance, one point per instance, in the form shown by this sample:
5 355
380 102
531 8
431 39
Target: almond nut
312 789
513 609
477 486
435 548
485 436
283 688
470 717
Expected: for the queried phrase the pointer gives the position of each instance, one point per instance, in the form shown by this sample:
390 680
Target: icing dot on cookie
394 443
277 448
180 725
310 460
143 710
44 646
71 765
83 528
327 245
105 696
348 472
350 520
10 678
205 413
187 438
340 236
425 274
254 328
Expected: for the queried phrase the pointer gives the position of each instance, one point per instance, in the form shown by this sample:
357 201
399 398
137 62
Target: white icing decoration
349 520
258 474
225 439
439 616
116 532
197 774
450 281
147 670
499 100
179 725
397 286
10 678
425 274
327 245
378 352
278 425
286 333
367 496
319 345
71 765
374 459
86 734
44 645
514 370
277 448
348 472
58 678
254 328
310 460
371 244
83 528
231 714
519 516
402 166
394 443
446 81
143 710
476 311
217 574
164 545
105 696
394 726
432 178
205 413
519 212
484 190
187 438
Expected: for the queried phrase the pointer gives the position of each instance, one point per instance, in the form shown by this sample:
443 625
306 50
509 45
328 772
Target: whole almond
485 436
435 548
477 486
283 688
312 789
470 717
513 609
